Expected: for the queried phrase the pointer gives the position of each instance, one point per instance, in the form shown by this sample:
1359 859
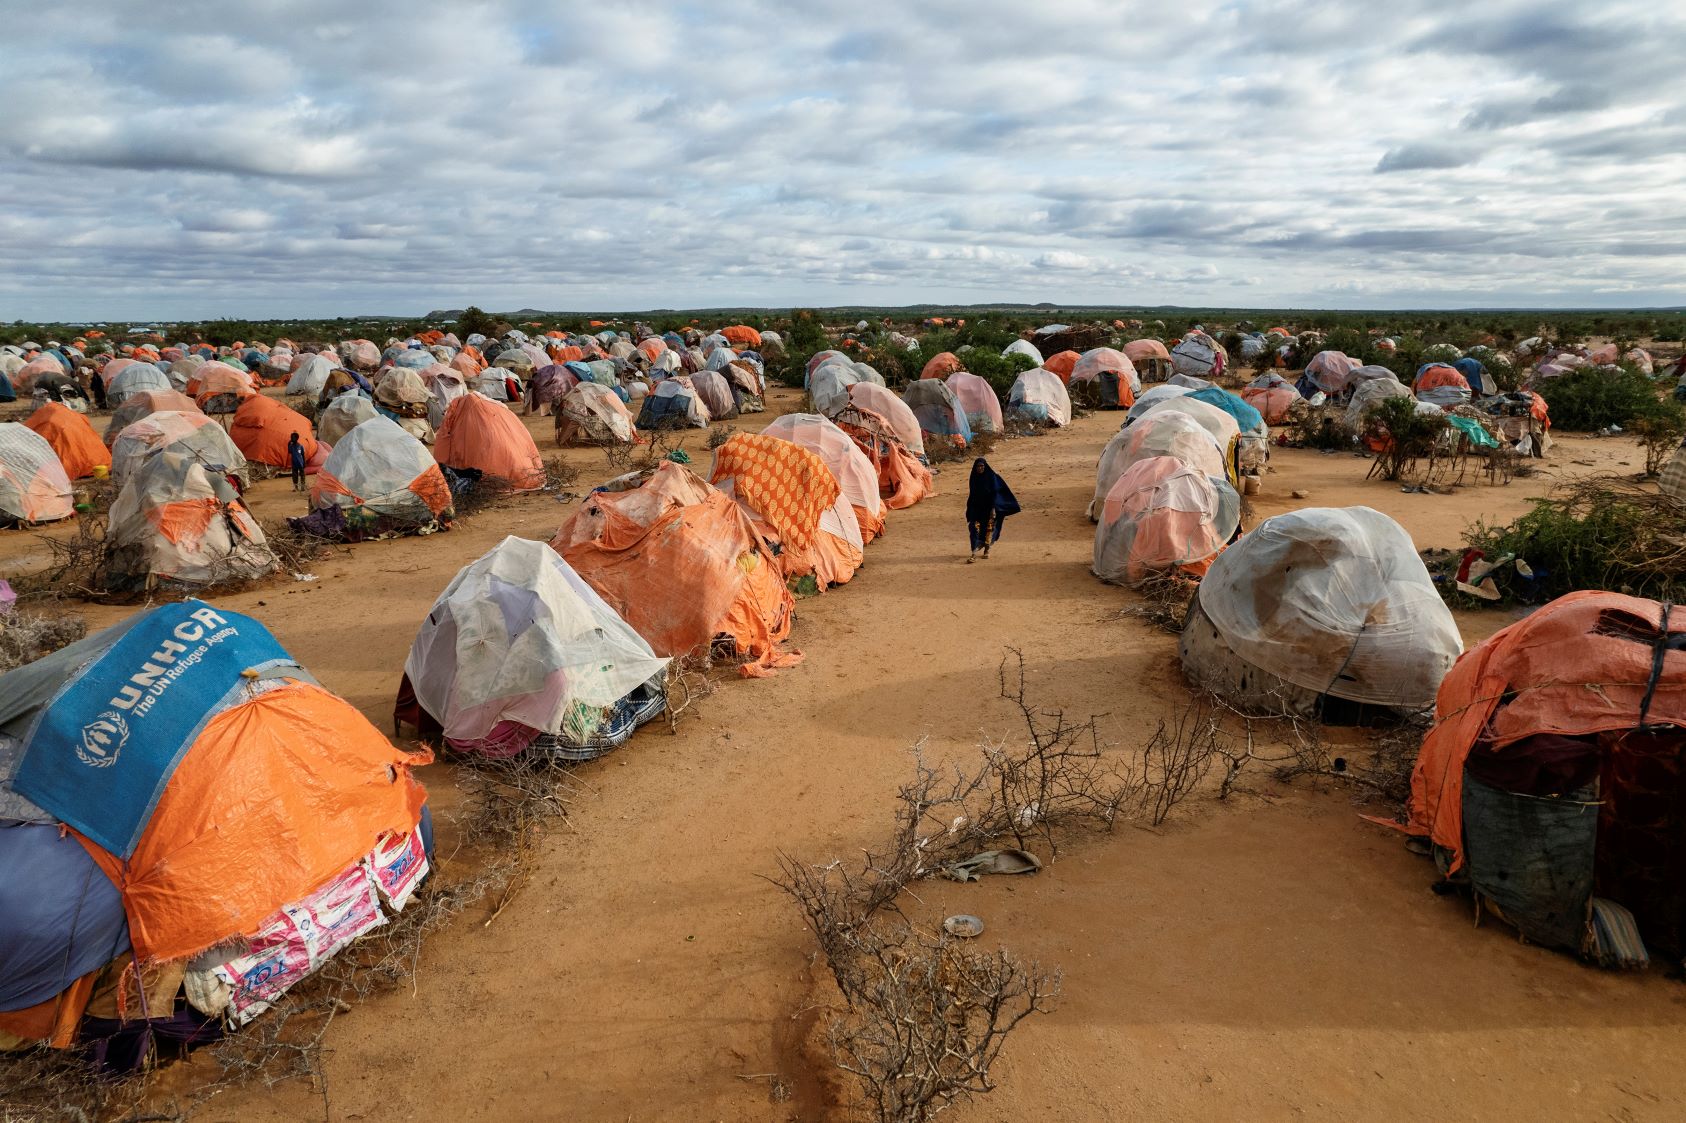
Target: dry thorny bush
927 1016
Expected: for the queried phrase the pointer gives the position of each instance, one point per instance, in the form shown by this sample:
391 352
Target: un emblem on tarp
102 739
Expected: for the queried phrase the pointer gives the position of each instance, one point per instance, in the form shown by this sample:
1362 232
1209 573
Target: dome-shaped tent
977 397
310 375
1040 397
1164 434
519 653
590 414
1162 516
177 525
479 435
144 404
1551 776
185 431
262 427
792 498
383 479
1274 397
74 442
695 548
848 464
895 412
33 485
939 415
1115 377
1199 356
341 416
1023 347
674 404
1321 604
132 379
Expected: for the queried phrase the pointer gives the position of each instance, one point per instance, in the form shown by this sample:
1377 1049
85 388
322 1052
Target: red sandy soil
1273 956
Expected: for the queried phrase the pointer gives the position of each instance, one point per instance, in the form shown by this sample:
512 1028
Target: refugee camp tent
853 470
1163 434
1062 363
38 367
793 500
310 376
481 436
1149 355
817 360
1153 395
1321 612
1160 517
33 485
185 431
59 388
219 388
829 386
521 654
176 525
716 394
144 403
383 481
1367 394
1551 777
1025 348
1199 356
359 353
230 803
674 404
1215 420
894 411
590 414
1114 374
262 427
403 396
903 479
977 397
1441 385
341 416
679 561
74 442
132 379
1253 438
941 365
1274 397
748 385
446 384
1331 371
1040 397
939 415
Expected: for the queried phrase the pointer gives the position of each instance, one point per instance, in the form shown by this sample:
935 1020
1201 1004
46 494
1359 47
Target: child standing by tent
295 457
988 503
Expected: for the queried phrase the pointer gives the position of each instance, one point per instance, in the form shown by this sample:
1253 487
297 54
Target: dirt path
1272 957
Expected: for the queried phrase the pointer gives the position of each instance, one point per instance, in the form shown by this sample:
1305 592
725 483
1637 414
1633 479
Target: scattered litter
305 577
965 926
993 861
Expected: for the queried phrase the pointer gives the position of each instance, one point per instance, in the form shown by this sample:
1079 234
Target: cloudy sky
195 158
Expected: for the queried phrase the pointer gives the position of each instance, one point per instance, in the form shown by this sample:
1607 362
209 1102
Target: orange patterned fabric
785 484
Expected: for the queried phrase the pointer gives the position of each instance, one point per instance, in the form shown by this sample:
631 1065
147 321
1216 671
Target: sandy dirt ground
1270 957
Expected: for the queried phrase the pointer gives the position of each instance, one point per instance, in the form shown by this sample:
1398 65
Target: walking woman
988 503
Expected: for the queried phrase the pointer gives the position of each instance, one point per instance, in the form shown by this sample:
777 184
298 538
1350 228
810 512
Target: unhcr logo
102 739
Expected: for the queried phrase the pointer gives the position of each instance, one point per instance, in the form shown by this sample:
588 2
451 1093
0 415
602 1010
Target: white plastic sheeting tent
33 485
1163 434
342 415
895 412
1162 516
380 466
1197 356
1040 396
519 637
828 386
593 413
1331 371
674 405
176 524
716 393
311 375
133 379
1367 394
1153 395
1332 601
193 434
1092 363
1225 430
1023 347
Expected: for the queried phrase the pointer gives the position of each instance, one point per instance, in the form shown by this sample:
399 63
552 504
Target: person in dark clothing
988 503
97 385
295 457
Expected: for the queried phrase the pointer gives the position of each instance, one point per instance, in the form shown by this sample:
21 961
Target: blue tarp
100 753
1249 419
7 394
60 916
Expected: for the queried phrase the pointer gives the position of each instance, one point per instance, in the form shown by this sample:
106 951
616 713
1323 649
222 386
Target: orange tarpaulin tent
78 447
941 365
1584 664
742 335
484 435
1061 364
681 563
262 427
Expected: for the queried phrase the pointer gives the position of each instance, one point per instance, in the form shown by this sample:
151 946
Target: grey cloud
1567 99
1415 157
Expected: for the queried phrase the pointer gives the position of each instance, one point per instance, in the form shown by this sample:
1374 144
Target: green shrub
1588 399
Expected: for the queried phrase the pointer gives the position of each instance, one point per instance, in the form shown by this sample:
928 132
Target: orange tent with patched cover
485 436
680 562
262 427
78 447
